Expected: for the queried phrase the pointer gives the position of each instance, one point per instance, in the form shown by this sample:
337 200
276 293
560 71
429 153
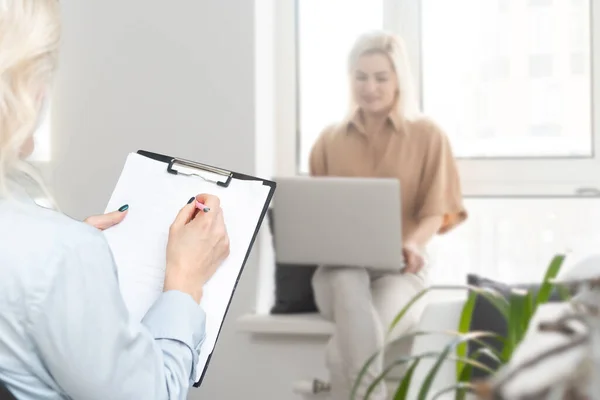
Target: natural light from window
512 79
504 78
511 83
327 30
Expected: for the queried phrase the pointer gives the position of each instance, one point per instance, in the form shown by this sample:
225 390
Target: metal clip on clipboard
191 168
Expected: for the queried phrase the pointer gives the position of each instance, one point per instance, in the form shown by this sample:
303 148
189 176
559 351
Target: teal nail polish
124 208
192 199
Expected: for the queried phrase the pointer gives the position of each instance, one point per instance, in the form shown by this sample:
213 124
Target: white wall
179 78
141 74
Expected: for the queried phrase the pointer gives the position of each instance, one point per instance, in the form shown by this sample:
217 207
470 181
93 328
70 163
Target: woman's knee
334 284
392 295
341 278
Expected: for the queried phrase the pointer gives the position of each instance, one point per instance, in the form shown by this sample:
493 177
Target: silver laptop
338 222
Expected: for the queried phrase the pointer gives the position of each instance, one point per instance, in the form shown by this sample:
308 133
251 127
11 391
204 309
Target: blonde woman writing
383 136
64 328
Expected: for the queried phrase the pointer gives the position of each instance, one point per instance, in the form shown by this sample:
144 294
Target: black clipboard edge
236 175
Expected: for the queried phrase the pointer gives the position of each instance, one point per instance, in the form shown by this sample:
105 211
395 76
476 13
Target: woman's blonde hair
29 39
407 105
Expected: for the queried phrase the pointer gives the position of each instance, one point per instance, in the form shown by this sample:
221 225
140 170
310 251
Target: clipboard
222 178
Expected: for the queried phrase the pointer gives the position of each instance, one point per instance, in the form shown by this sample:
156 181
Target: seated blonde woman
383 136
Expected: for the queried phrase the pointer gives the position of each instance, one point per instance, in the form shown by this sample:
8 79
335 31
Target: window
510 66
326 32
495 243
510 82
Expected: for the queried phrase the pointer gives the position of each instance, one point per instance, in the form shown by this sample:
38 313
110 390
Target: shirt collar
394 119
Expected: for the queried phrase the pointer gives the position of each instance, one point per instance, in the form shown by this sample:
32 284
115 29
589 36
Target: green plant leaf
527 311
515 322
405 309
426 386
462 387
402 390
415 358
497 300
547 286
563 292
463 327
361 374
488 352
467 371
368 363
451 334
517 311
465 377
410 335
390 367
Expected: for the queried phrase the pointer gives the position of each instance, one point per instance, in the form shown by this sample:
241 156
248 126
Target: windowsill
314 325
311 324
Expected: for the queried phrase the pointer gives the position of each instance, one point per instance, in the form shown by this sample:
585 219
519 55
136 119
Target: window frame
479 176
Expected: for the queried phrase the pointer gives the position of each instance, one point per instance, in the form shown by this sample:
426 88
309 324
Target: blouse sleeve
91 345
440 189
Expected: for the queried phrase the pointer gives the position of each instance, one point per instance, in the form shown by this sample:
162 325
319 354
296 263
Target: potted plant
518 310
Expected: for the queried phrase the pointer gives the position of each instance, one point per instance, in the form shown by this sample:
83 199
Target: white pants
362 304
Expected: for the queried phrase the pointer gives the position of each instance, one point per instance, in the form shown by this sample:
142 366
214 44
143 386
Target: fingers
212 211
209 200
189 213
410 264
414 261
411 269
105 221
185 215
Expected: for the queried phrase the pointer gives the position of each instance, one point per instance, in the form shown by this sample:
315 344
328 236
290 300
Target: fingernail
124 208
191 199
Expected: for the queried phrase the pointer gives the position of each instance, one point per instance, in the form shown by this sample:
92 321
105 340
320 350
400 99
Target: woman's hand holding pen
198 244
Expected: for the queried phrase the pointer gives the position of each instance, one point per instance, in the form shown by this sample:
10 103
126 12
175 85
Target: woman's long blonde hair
29 39
407 104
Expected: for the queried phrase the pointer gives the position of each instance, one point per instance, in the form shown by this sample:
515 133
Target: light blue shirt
64 329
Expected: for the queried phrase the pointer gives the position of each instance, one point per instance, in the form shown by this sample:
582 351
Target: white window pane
512 78
327 29
496 243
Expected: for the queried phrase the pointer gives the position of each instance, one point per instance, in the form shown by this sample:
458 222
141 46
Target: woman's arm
93 349
413 246
426 229
440 193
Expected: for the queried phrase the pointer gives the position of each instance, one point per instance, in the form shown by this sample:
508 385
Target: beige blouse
416 152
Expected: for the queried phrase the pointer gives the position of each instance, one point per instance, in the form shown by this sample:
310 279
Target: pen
202 207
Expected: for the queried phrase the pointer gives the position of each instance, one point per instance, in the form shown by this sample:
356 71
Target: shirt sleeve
92 348
440 189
